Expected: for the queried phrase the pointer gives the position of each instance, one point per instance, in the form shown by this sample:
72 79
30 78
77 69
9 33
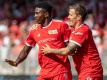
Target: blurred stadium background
16 17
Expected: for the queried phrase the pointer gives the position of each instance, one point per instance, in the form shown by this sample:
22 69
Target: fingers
10 62
46 49
47 45
7 60
43 47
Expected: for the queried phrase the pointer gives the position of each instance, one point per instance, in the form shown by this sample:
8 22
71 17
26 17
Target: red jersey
55 34
86 60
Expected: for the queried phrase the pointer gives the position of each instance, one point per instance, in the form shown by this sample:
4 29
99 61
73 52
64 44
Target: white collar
48 24
80 26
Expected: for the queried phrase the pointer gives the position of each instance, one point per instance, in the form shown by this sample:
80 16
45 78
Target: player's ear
79 17
46 14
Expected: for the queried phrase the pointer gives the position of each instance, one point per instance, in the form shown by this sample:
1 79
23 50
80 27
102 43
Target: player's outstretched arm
22 56
71 47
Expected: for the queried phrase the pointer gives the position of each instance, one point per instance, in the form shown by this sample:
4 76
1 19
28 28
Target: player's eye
36 12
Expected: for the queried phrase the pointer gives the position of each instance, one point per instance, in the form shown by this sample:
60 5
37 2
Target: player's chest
47 34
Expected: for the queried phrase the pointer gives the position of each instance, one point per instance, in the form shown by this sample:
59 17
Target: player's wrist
52 50
16 63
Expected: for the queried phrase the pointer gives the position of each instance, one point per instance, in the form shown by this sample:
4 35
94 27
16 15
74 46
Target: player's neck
78 24
47 21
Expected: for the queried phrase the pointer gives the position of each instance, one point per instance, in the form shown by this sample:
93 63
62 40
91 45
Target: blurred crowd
17 17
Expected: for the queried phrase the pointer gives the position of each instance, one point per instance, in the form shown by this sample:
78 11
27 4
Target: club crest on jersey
52 32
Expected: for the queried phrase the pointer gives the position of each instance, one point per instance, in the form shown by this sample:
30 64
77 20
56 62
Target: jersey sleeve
66 32
79 36
30 40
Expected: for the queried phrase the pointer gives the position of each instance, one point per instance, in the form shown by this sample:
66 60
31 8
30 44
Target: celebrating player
54 33
81 45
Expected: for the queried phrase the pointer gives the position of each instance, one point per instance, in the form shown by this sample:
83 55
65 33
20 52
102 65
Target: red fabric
54 35
87 60
91 78
63 76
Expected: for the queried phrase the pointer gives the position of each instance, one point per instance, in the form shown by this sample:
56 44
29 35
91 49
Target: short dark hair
44 5
80 9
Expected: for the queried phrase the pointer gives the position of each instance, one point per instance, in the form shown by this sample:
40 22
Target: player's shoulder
57 20
84 27
34 27
60 23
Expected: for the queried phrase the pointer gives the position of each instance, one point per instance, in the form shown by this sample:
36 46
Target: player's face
40 15
73 17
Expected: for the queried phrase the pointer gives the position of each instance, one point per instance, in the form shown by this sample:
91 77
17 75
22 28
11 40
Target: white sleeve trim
75 42
29 44
65 40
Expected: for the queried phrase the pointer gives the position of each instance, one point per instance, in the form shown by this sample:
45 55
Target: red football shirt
55 34
86 60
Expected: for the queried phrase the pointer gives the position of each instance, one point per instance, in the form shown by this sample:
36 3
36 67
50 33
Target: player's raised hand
10 62
46 49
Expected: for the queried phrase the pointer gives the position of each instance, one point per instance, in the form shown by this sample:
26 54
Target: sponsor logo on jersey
52 32
46 40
